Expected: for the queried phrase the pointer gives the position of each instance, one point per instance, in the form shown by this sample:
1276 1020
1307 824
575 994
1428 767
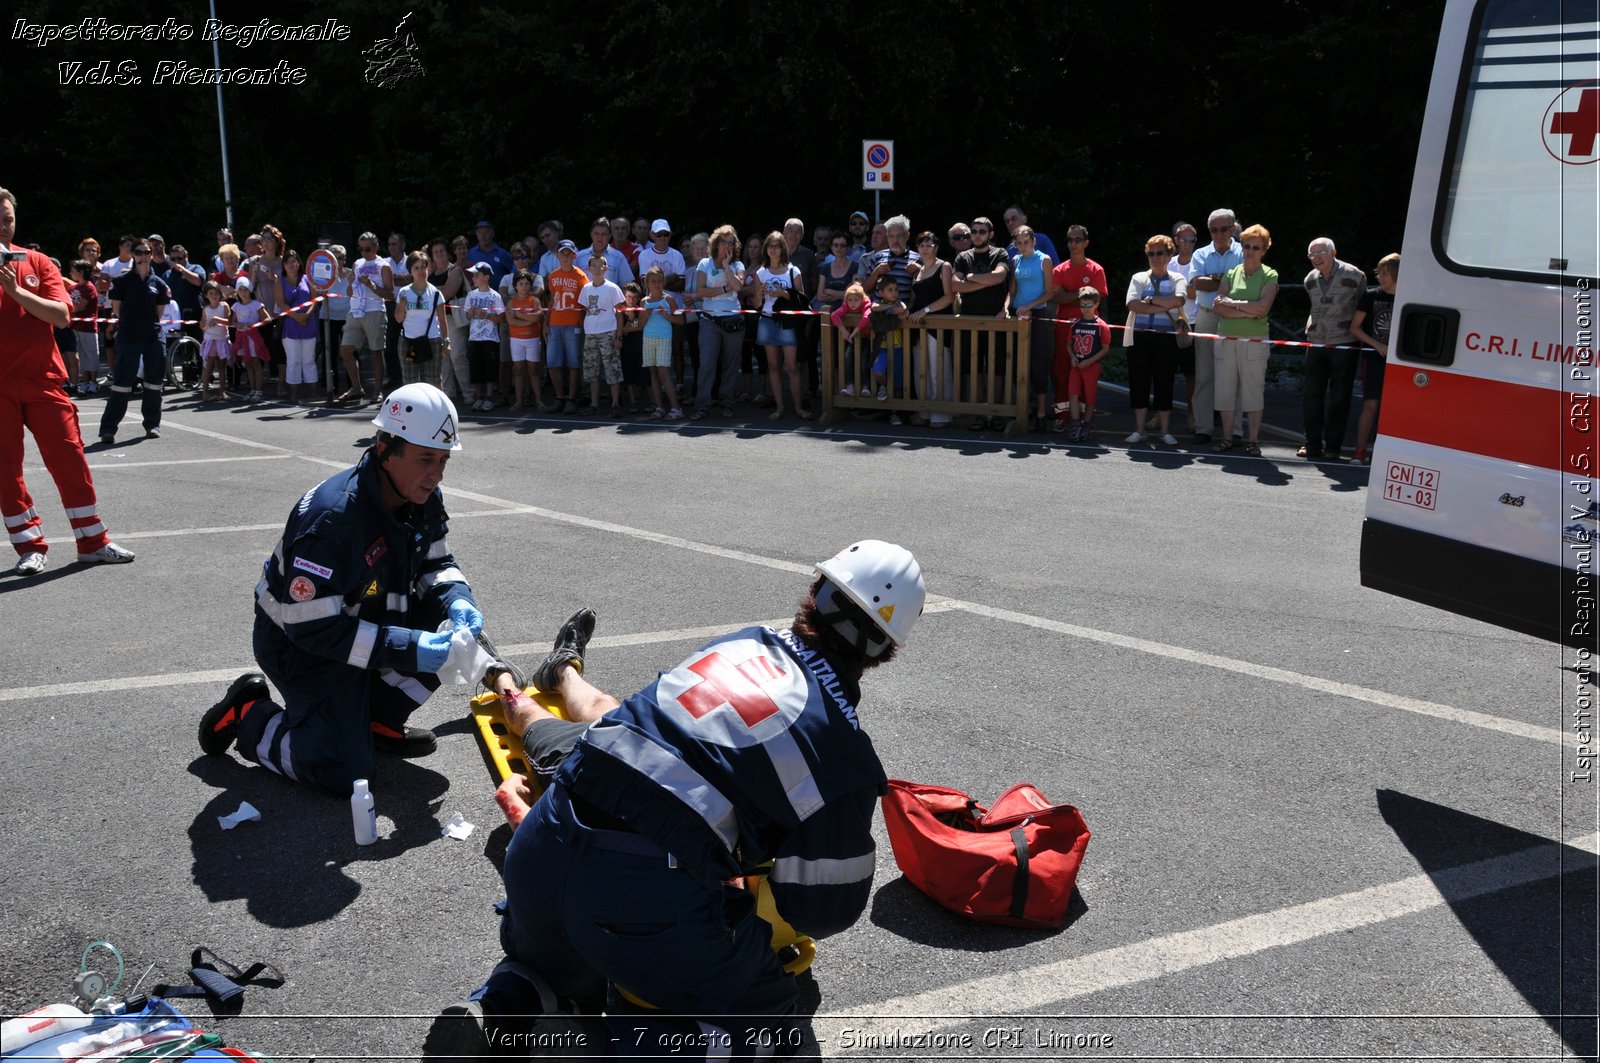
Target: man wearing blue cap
499 258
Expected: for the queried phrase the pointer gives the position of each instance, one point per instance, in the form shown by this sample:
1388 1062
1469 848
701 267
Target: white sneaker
848 390
675 414
109 554
894 418
883 394
31 563
1134 437
1169 440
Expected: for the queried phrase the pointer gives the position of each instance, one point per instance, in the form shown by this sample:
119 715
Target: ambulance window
1524 191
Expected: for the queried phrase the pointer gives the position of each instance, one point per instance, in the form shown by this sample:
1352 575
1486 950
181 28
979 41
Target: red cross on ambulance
1572 125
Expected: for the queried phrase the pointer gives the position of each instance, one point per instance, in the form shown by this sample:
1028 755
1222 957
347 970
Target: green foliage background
1122 116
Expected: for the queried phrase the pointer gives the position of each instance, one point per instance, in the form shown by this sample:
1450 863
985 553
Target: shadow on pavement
1540 934
901 908
289 866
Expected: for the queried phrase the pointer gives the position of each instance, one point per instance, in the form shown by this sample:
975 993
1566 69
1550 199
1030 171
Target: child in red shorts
1090 340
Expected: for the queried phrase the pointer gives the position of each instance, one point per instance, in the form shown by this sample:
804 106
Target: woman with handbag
1155 308
721 321
779 287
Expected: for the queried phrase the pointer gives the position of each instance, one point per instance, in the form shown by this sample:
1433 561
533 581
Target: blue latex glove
464 614
432 649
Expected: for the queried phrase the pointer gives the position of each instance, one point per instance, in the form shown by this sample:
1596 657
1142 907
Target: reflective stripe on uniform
428 580
22 518
663 768
845 872
27 536
283 763
361 649
92 529
399 603
439 549
81 511
799 786
406 684
285 613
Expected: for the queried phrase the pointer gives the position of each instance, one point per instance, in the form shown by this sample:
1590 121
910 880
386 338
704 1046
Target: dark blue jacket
350 582
748 751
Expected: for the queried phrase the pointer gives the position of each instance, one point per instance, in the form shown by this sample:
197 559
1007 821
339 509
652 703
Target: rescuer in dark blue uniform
748 752
348 608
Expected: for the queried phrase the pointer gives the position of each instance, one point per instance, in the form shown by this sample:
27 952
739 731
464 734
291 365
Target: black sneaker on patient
571 643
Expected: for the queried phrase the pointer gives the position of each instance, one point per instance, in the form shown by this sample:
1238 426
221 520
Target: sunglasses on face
1186 239
1255 247
982 229
1157 254
1220 228
1077 239
960 236
141 250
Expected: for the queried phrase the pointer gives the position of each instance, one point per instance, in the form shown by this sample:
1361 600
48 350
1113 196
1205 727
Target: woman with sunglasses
1244 299
1155 297
722 325
419 310
776 279
138 299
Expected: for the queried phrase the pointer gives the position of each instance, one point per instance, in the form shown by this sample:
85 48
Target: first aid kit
1015 863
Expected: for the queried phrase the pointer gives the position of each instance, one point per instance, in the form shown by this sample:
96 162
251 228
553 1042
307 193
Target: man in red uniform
33 301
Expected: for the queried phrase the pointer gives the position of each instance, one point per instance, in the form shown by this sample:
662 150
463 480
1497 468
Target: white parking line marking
227 675
1049 986
96 466
1281 675
1258 671
183 533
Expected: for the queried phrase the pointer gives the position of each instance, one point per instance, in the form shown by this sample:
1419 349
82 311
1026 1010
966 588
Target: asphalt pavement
1326 822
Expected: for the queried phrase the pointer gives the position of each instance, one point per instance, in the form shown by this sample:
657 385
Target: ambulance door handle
1428 334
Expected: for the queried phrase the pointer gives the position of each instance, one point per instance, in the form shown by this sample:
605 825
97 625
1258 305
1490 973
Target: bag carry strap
1019 884
213 984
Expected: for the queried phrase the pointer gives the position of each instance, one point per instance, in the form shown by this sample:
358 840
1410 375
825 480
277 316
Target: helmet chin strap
868 642
383 468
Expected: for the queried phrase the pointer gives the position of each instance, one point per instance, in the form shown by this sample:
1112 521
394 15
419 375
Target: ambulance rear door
1483 492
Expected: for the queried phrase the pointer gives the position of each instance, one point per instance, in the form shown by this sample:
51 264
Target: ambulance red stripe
1545 427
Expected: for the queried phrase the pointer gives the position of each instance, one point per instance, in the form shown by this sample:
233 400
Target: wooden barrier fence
940 372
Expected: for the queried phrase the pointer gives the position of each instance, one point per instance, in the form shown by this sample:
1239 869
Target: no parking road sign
322 269
877 165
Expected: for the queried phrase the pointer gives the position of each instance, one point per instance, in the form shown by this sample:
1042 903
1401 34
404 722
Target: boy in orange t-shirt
564 336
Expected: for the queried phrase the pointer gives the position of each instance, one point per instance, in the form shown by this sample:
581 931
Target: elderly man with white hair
1210 263
897 260
1334 288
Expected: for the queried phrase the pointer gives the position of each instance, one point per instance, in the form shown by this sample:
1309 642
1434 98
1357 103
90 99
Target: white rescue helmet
884 580
420 414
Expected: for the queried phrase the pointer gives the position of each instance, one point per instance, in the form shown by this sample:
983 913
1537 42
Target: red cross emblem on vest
737 686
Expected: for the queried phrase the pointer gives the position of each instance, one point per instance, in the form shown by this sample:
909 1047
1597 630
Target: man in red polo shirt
33 302
1075 272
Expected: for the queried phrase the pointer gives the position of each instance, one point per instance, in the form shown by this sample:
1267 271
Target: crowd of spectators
692 325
